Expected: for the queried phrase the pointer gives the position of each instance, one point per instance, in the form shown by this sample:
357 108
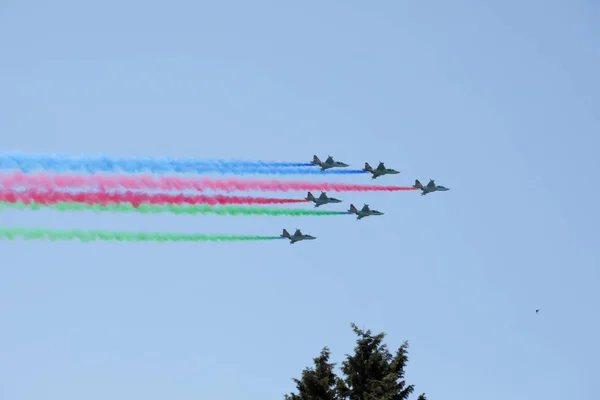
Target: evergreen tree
317 383
371 373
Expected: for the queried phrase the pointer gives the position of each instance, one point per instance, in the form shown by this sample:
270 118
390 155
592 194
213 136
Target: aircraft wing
381 167
323 196
366 208
329 160
431 183
298 233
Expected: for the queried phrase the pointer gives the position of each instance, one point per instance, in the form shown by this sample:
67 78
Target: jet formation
365 211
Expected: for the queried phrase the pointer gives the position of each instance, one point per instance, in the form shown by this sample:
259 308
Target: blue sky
496 100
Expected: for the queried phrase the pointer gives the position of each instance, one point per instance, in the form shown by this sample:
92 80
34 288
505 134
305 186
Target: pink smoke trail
132 182
53 197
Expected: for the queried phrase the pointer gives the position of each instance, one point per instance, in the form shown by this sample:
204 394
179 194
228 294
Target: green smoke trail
172 208
91 235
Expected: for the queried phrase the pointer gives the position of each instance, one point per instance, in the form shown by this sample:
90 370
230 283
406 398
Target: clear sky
496 100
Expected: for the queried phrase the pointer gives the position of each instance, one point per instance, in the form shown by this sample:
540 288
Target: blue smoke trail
28 162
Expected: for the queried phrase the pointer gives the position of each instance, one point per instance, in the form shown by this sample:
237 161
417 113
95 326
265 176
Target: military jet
364 212
298 236
329 163
431 187
380 170
322 199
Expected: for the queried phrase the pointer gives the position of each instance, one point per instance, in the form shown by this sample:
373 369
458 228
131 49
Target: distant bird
537 311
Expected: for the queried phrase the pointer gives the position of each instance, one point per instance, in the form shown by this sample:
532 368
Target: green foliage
371 373
317 383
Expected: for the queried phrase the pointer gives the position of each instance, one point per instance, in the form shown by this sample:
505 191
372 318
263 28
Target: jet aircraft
322 199
380 170
431 187
298 236
364 212
329 163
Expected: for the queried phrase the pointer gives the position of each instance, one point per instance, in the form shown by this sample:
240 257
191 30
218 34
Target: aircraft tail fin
353 209
310 196
368 167
316 159
285 234
418 185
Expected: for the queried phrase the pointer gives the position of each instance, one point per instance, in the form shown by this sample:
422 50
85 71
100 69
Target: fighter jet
537 311
380 170
431 187
322 199
329 163
364 212
298 236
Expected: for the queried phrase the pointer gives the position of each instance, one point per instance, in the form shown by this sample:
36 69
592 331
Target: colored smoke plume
91 235
59 162
53 197
173 208
46 181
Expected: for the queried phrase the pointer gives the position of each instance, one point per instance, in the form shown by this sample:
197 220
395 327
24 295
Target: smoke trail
173 208
28 162
12 233
132 182
53 197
